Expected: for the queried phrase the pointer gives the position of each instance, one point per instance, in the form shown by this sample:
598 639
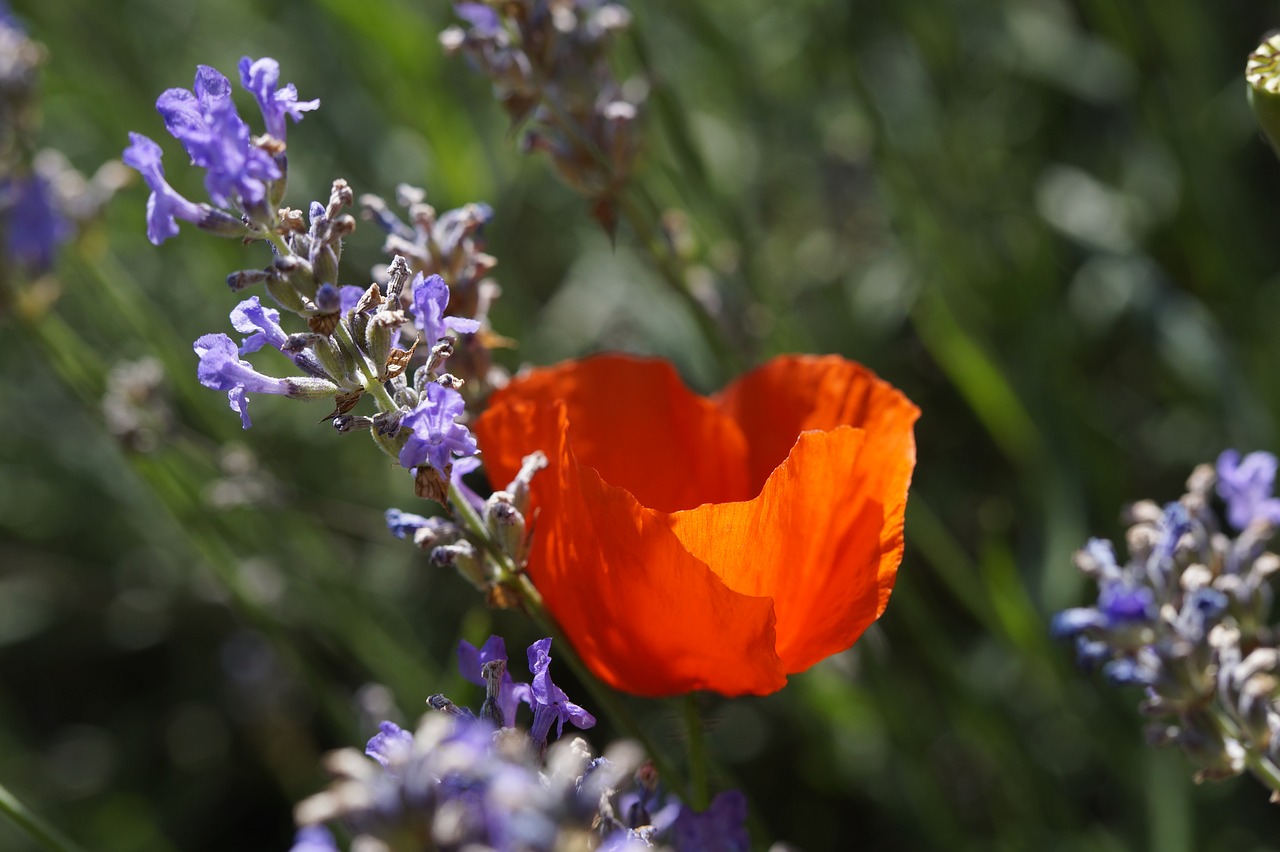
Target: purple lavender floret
391 745
34 226
221 368
461 467
165 206
720 828
435 435
550 704
1246 485
262 324
205 121
430 298
313 838
260 77
471 662
479 15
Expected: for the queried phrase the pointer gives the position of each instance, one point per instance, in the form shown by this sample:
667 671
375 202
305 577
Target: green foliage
1053 225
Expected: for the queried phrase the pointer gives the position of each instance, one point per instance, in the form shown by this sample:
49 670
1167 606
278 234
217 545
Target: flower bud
506 524
307 387
291 282
246 278
220 223
461 555
1262 73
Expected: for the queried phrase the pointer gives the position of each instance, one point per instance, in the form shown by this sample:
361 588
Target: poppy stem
698 794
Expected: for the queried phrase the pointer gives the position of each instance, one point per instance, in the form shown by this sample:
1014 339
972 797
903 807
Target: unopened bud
387 422
220 223
246 278
1262 73
328 300
351 422
306 387
506 524
519 486
325 262
461 555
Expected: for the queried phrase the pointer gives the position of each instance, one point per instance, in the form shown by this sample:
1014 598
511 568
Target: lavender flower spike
430 298
550 704
434 433
221 369
1246 485
260 76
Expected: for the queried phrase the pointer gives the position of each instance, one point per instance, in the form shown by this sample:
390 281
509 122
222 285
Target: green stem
371 383
698 795
1262 767
34 827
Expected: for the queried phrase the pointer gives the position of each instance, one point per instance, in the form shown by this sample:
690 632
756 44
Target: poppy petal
818 540
791 394
645 615
635 422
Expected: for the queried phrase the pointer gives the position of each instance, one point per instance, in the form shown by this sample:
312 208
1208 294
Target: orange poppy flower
690 543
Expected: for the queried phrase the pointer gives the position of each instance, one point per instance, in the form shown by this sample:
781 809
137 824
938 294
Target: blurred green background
1052 224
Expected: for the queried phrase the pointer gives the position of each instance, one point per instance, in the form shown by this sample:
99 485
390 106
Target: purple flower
1121 603
434 433
260 77
550 704
1246 487
205 121
484 18
471 664
165 206
221 368
391 745
404 524
34 226
461 468
260 323
313 838
720 828
430 298
348 297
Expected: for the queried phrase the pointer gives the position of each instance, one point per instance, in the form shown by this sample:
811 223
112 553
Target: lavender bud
506 524
443 705
246 278
344 423
327 299
311 365
220 223
306 387
461 555
387 423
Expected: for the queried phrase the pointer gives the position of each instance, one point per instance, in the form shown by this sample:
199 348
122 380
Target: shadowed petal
776 402
636 423
645 615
